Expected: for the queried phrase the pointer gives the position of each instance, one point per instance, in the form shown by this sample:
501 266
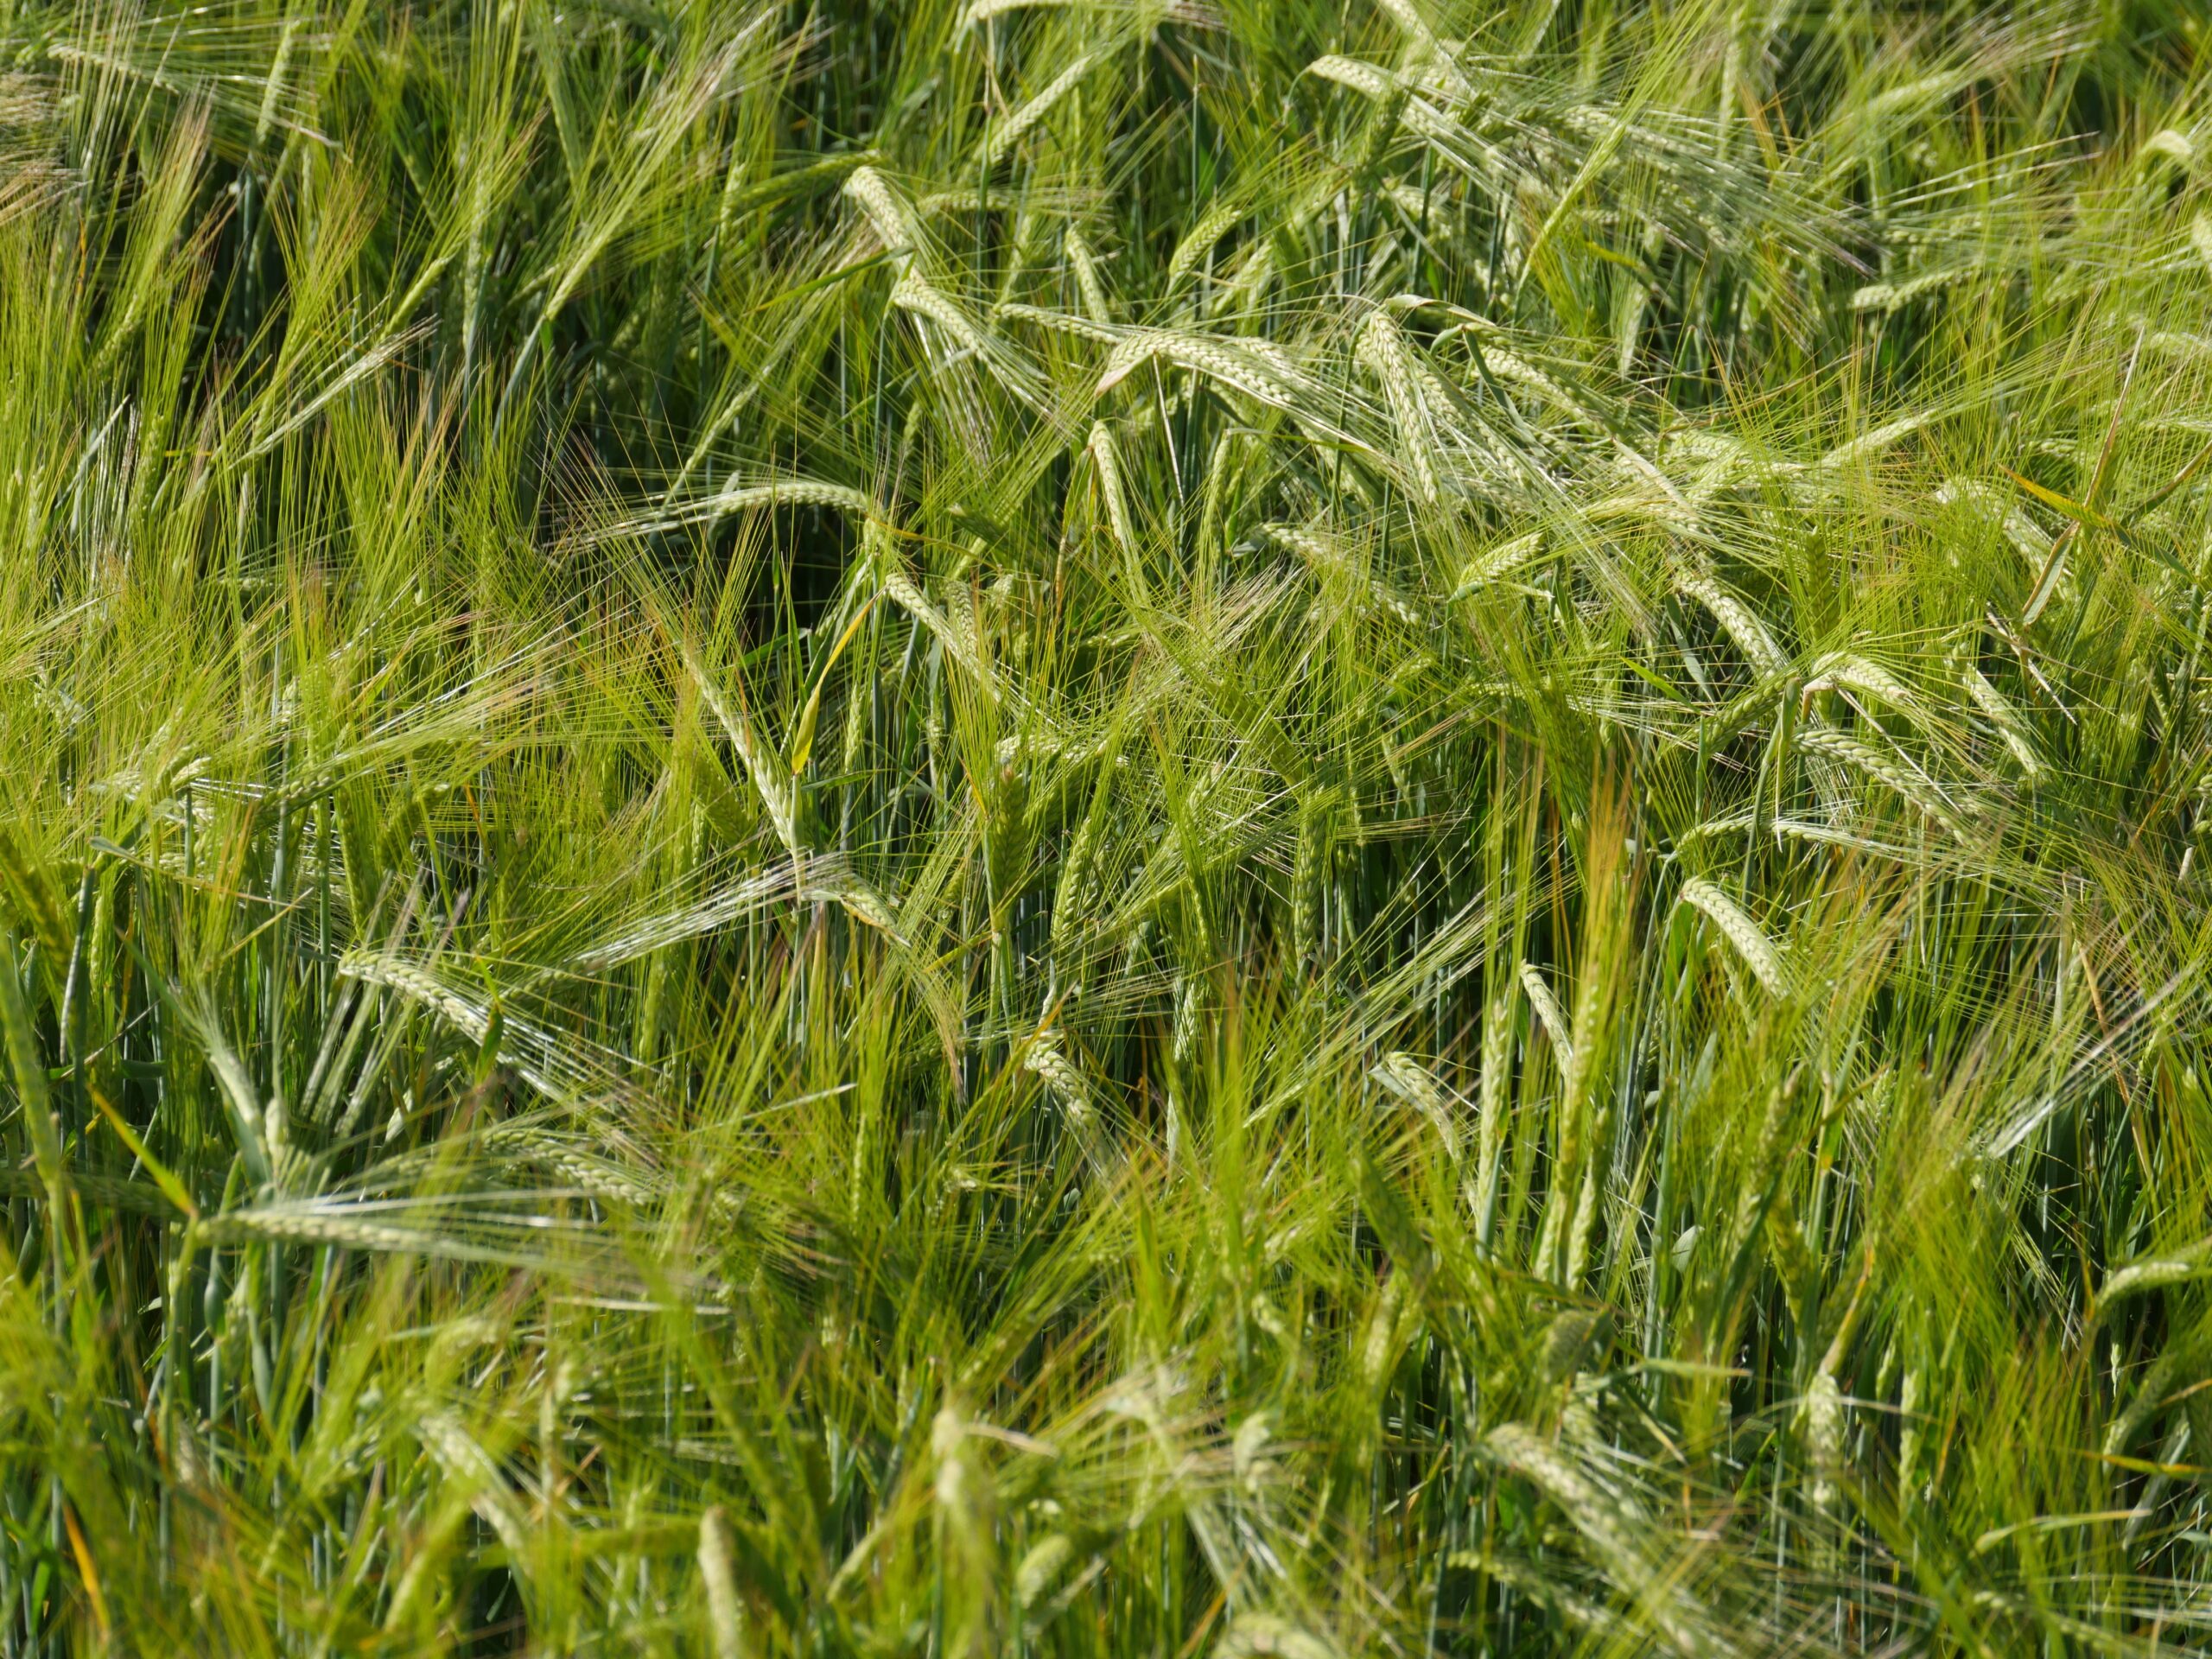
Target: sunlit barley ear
2003 716
1049 1061
1735 617
888 216
1088 282
1618 1534
1549 1012
1758 952
1268 1636
1189 1018
966 1510
1385 353
1007 136
1862 756
1406 1077
1108 462
724 1611
1041 1567
1200 240
763 764
1849 670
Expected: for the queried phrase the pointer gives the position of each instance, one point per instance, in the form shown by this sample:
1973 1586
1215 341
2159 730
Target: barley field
1096 828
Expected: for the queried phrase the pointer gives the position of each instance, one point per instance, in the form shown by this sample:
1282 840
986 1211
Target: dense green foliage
1105 827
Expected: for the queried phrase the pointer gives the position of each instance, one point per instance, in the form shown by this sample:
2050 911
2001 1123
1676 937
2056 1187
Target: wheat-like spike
1041 1567
1416 28
989 199
1411 1081
1885 298
1426 54
1134 350
1049 1061
841 885
2150 1273
1541 1584
1494 564
1019 125
1583 1224
1823 1420
791 491
1872 443
558 1067
2026 535
1106 333
1841 746
1549 1011
1911 1435
725 1609
1846 669
25 879
914 292
341 1225
887 215
1757 951
1617 1534
1496 1059
1306 895
1190 13
1416 114
1110 484
1379 1351
2160 1378
1247 283
602 1179
1087 279
910 598
1324 555
1269 1635
1736 618
717 910
470 1465
805 492
771 777
2168 145
1491 340
1309 873
1720 458
1364 78
1383 352
981 11
1509 364
1825 835
1074 882
418 985
1410 201
1262 371
1198 240
1188 1016
2010 727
